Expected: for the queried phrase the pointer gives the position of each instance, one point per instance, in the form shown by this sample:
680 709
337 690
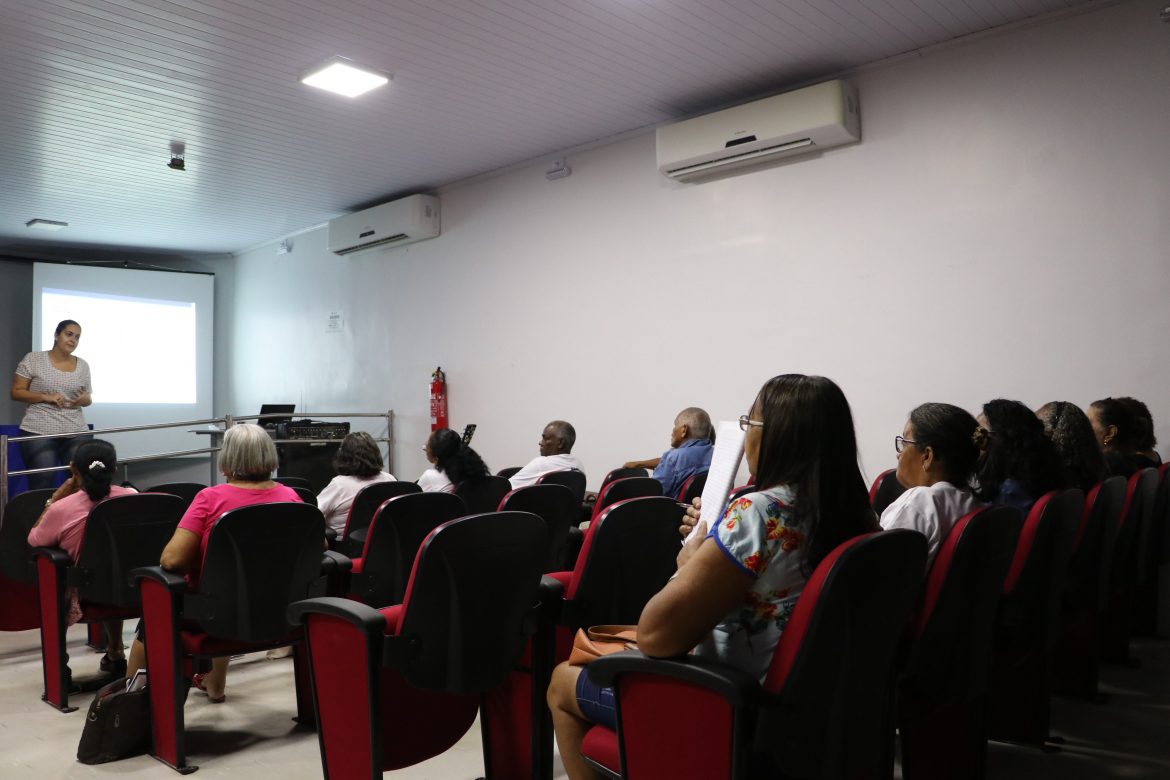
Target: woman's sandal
114 667
197 681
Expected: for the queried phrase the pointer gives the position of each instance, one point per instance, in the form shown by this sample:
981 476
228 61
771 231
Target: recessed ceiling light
344 77
46 224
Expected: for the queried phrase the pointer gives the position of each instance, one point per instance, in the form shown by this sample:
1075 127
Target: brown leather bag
597 641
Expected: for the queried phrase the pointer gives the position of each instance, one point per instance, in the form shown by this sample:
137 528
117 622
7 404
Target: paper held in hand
725 462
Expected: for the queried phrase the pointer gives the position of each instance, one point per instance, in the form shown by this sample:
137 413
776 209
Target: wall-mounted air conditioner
395 223
798 122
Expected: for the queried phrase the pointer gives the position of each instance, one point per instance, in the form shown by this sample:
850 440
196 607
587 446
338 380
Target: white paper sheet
725 462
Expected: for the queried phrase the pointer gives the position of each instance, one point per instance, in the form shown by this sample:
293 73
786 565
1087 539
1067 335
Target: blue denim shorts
597 703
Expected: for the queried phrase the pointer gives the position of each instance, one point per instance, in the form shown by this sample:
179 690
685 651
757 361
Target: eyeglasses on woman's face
900 443
746 422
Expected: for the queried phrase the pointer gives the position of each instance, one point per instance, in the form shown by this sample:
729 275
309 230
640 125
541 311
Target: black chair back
294 482
306 496
692 488
624 488
951 648
571 478
19 515
259 559
483 495
508 472
123 533
558 508
884 491
1141 491
1088 568
184 490
624 473
361 512
399 527
628 555
471 602
831 676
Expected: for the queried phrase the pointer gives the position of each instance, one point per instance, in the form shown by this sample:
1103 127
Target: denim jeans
44 453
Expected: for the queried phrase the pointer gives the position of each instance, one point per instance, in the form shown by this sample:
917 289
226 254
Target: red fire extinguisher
438 399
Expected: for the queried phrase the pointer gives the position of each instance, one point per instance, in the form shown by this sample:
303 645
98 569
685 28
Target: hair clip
97 464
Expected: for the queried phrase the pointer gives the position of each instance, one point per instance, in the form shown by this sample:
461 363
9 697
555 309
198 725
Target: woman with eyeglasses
937 454
738 584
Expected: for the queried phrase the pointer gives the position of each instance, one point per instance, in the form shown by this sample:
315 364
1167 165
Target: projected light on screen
139 350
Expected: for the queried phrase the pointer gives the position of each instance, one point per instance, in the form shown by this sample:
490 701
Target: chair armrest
365 618
55 555
333 562
169 580
331 537
738 688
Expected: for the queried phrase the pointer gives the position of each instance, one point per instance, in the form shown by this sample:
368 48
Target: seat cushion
601 745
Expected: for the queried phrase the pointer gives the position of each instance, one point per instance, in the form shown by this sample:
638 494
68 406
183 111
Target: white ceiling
94 92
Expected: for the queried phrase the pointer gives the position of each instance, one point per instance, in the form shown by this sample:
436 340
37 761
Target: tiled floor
252 734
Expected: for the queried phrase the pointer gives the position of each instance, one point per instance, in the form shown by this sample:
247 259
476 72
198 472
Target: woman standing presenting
55 385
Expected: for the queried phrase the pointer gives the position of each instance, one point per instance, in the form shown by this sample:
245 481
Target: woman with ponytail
62 524
453 462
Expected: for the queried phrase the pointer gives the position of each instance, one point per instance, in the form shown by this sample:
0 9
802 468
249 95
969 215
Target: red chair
361 512
884 491
1153 596
483 495
624 473
943 687
396 686
121 534
18 576
1077 655
379 577
1118 616
571 478
824 709
259 560
557 507
623 489
692 488
1020 685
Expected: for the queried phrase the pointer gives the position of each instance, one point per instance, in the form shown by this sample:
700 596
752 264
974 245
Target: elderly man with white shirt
556 443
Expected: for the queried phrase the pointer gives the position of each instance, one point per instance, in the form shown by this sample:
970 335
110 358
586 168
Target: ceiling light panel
343 77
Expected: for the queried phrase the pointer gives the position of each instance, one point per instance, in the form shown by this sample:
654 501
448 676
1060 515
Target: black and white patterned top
38 368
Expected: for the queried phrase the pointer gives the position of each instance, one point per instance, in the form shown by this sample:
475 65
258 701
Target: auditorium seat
294 482
571 478
399 526
943 687
361 512
556 505
306 496
884 491
1118 617
19 610
483 495
824 709
259 559
692 488
184 490
506 473
623 473
624 488
1153 588
1020 682
122 533
396 686
1077 656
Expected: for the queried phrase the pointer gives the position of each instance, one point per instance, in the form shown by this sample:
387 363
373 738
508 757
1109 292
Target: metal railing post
3 475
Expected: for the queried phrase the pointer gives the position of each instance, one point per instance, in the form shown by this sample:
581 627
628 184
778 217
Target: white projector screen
147 336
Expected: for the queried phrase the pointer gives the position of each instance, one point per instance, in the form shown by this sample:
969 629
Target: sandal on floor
197 681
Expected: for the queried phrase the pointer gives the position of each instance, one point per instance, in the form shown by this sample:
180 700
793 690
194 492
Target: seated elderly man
555 445
689 453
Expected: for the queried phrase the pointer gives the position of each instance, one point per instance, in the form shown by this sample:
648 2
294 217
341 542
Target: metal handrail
226 421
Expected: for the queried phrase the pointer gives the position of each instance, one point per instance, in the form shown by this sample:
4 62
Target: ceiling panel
95 92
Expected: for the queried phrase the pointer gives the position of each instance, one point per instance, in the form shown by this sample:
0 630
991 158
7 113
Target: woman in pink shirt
247 459
62 524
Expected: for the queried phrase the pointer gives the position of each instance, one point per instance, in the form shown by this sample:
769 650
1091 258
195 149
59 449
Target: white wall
1000 231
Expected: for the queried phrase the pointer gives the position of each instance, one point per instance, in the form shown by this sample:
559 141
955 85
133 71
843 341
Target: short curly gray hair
248 453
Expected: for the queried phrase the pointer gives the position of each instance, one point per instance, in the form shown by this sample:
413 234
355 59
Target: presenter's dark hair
953 435
1077 448
808 442
454 458
63 324
95 461
1016 449
358 456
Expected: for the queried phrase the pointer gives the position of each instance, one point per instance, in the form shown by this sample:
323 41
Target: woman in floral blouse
738 583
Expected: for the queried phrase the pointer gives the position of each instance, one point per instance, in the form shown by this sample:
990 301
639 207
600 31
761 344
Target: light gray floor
252 734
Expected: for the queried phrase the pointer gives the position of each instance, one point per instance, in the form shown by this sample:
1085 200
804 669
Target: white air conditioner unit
798 122
395 223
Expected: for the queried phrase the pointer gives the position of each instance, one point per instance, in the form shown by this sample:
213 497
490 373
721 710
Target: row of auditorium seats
1009 604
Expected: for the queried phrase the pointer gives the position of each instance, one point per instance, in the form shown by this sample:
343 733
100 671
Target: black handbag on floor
117 725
